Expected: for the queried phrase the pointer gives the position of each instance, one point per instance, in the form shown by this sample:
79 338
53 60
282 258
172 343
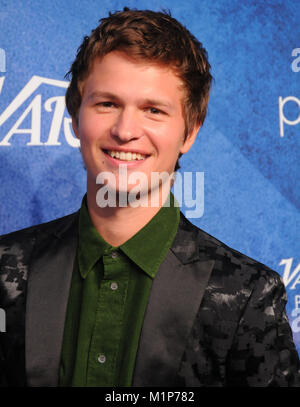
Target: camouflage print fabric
215 317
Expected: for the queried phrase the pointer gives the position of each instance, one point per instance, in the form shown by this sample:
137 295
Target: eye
154 110
106 104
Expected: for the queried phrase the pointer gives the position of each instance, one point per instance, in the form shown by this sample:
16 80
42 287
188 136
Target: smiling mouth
125 156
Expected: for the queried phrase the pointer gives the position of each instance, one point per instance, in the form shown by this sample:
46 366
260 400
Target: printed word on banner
291 101
29 104
291 279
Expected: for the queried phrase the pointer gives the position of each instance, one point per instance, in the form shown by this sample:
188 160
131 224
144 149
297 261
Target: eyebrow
148 101
98 94
159 103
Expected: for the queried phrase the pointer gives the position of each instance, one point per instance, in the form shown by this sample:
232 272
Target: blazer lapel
46 304
174 300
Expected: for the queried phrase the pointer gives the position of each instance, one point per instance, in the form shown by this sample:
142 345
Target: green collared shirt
109 293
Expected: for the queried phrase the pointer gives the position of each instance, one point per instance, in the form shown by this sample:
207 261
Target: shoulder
54 226
17 250
16 247
232 269
242 322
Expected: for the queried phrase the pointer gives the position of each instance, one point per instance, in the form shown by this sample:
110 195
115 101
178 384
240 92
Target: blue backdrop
248 147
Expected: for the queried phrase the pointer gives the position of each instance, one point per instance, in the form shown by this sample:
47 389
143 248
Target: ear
75 127
189 141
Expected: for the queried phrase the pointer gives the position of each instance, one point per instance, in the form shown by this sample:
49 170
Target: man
132 293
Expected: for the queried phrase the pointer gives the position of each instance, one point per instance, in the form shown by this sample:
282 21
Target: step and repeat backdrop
247 150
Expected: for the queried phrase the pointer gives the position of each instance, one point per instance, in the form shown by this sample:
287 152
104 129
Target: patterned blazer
214 318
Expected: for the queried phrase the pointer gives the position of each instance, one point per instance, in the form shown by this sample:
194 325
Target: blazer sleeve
263 353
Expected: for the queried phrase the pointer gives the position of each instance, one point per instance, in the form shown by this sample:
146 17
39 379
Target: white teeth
126 156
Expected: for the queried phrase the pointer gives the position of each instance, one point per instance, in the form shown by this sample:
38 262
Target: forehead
117 69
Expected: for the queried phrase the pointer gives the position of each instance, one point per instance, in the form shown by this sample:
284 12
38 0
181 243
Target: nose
126 126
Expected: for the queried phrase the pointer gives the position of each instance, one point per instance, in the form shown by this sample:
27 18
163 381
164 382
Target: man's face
131 107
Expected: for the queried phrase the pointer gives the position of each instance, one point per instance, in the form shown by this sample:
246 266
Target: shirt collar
147 248
91 246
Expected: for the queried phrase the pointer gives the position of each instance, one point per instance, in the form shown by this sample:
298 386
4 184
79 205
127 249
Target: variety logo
291 278
33 109
295 323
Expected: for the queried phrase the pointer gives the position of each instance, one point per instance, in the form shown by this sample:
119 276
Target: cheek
167 138
171 143
89 129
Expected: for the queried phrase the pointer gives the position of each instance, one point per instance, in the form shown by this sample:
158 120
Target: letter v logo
34 108
288 274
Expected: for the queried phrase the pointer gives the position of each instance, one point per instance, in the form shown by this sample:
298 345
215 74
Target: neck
118 224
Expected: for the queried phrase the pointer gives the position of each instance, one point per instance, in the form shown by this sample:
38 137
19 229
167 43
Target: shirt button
114 286
114 255
101 358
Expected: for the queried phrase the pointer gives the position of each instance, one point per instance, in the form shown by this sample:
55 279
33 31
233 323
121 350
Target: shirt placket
103 355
